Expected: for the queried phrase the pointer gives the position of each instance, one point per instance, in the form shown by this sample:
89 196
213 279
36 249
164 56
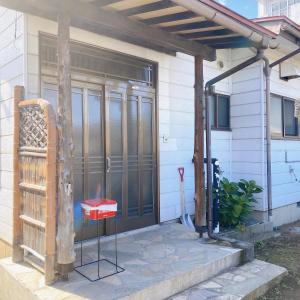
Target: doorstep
158 263
247 282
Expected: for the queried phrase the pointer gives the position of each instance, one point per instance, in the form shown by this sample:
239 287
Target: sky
247 8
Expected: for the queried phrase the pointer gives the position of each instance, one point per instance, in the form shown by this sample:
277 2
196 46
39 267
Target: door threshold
107 238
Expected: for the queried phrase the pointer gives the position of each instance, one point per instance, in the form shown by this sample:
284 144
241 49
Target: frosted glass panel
290 122
132 125
115 121
147 127
276 116
147 192
223 111
95 125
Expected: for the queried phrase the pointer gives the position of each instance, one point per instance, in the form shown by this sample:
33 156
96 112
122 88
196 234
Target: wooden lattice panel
33 127
35 185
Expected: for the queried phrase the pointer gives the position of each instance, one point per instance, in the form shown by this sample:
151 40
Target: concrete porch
159 263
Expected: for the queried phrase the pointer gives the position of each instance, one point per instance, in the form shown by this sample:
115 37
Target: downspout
208 96
267 71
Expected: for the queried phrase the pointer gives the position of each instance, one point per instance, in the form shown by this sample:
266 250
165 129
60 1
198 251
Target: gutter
223 16
247 247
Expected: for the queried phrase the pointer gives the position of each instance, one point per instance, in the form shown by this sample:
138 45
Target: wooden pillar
200 207
18 252
65 230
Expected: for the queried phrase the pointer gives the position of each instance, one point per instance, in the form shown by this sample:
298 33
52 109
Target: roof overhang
194 27
282 26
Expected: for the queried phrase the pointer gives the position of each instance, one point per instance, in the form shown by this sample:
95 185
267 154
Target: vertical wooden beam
200 209
50 231
18 252
65 230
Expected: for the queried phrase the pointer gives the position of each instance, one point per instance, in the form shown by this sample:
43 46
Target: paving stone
158 263
233 286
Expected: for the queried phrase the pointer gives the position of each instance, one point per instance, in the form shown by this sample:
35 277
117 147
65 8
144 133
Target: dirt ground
283 251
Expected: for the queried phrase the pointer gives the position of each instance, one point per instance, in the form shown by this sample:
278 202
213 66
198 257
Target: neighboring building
28 58
271 8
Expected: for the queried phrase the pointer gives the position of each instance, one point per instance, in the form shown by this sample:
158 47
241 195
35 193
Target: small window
276 116
283 120
290 121
220 112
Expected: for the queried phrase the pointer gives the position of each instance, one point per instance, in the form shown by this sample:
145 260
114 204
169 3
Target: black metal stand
117 268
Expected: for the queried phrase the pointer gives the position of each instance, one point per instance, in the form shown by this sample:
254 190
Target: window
283 120
220 112
282 7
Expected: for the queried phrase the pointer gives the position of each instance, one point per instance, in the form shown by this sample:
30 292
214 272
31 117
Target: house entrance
114 136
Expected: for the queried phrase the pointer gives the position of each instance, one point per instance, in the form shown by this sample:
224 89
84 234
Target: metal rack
117 268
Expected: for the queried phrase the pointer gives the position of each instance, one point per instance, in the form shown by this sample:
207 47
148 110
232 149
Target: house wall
248 138
247 117
262 8
285 173
11 74
176 108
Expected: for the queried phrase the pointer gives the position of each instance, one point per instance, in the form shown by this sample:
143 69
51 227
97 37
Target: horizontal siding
247 121
285 183
11 74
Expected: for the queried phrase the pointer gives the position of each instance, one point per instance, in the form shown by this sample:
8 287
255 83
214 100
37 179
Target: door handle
108 164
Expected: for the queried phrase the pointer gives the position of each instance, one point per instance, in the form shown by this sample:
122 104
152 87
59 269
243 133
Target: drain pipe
208 98
248 248
267 71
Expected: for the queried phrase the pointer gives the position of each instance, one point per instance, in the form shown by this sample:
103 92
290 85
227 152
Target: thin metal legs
117 269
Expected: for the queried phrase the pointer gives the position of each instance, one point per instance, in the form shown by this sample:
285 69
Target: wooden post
50 231
65 230
200 209
18 252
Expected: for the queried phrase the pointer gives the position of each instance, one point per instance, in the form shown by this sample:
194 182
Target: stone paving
245 282
158 263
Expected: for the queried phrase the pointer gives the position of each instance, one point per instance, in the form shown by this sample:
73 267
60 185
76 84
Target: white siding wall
286 190
247 119
262 6
176 108
11 74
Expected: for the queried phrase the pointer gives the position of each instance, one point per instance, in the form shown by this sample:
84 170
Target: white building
273 8
239 133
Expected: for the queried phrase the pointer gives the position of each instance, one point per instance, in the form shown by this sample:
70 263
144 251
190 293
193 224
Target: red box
99 209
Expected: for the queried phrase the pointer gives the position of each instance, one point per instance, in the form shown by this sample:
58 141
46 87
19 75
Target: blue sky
247 8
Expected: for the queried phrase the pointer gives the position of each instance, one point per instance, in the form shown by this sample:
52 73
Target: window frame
284 135
216 126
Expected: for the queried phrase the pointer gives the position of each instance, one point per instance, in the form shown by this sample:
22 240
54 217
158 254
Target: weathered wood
18 252
200 210
91 17
36 166
65 230
51 191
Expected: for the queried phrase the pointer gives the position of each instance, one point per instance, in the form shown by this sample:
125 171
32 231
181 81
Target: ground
283 251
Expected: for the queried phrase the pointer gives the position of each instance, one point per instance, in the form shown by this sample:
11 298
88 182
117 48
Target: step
247 282
158 264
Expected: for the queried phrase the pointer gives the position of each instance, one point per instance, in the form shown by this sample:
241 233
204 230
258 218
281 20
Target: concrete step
247 282
158 264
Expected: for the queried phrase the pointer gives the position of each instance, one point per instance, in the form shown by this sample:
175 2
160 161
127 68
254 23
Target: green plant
236 201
